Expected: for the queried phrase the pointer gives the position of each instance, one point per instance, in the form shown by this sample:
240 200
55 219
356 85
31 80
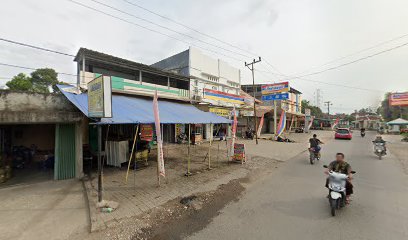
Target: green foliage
20 82
315 111
391 112
39 81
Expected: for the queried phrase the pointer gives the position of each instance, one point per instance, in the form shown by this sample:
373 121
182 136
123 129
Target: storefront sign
222 96
223 112
273 97
239 152
275 88
247 113
146 132
398 99
100 97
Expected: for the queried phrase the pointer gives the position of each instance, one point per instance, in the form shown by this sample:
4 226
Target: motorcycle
362 134
182 138
249 134
379 149
313 155
337 190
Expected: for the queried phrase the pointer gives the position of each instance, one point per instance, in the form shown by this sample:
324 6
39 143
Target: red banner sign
398 99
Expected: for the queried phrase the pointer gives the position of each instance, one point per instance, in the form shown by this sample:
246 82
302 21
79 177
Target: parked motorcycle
250 134
337 190
313 155
379 149
182 138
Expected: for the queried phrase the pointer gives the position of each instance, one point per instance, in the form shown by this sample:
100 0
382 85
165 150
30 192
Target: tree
43 78
315 111
392 112
20 82
39 81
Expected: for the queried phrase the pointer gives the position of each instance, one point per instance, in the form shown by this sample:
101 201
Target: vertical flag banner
291 122
335 123
311 122
258 132
282 123
160 159
234 130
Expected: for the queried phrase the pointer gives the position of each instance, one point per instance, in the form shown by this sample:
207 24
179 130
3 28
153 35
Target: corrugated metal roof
128 110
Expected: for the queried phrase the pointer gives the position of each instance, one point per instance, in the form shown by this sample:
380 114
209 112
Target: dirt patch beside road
399 149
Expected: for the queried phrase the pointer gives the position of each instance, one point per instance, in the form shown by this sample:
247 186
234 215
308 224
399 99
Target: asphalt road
291 203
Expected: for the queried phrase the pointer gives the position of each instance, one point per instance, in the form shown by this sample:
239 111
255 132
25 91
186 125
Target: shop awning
130 110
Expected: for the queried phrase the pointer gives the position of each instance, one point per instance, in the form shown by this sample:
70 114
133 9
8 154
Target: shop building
134 79
41 137
292 107
214 84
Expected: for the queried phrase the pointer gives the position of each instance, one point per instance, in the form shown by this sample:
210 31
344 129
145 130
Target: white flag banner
160 158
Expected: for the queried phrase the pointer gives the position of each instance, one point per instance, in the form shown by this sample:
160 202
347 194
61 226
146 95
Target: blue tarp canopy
131 110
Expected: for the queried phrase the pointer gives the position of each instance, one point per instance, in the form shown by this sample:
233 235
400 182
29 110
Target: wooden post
209 149
189 153
131 154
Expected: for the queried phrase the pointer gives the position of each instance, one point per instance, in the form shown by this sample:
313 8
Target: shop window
181 84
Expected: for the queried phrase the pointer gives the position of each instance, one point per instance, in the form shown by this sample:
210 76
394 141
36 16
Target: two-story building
214 84
292 107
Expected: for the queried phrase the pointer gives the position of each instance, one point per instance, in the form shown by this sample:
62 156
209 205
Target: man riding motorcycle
341 166
379 139
315 144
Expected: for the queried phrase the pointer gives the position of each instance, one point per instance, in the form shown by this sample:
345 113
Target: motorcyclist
341 166
315 143
379 139
362 130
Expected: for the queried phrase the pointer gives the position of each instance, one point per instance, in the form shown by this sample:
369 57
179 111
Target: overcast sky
293 35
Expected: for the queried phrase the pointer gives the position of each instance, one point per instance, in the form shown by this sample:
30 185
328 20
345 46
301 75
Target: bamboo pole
189 153
209 149
131 154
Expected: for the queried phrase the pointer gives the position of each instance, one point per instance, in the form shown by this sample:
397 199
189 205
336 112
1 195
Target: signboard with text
398 99
100 97
275 88
273 97
239 152
146 132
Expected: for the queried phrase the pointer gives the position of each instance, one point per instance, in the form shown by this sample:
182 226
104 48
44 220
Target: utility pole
250 66
328 103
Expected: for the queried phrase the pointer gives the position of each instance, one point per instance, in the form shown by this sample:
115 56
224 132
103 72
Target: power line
190 28
355 53
326 83
354 61
200 32
35 47
167 28
30 68
152 30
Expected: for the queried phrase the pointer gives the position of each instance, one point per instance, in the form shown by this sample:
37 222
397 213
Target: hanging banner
146 132
277 96
258 132
160 159
282 124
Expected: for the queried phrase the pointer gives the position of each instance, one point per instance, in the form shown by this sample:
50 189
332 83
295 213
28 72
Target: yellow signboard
100 97
221 112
